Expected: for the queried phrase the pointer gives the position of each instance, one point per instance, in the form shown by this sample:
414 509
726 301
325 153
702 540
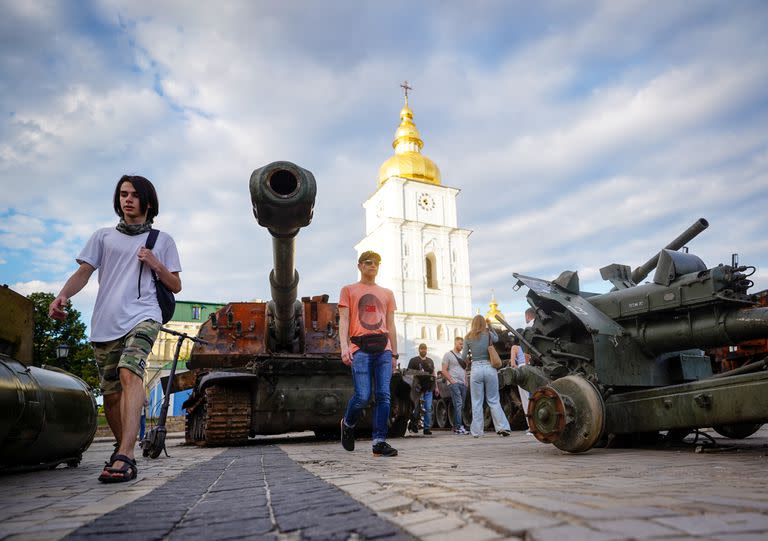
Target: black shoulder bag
165 298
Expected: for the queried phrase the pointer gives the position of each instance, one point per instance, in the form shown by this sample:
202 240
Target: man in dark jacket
423 387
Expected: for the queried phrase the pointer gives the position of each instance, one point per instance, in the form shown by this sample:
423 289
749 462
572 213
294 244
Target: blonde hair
478 326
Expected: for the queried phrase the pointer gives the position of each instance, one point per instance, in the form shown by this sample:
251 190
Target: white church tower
411 221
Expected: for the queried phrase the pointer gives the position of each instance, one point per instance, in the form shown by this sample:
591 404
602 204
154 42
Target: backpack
165 298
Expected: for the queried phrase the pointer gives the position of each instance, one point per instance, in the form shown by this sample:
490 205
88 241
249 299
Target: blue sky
579 133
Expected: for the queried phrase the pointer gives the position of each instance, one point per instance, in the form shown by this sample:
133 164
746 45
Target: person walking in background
456 376
126 317
368 340
519 359
423 387
483 378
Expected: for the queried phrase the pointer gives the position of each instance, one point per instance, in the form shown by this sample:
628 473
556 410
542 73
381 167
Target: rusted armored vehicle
47 415
632 361
275 367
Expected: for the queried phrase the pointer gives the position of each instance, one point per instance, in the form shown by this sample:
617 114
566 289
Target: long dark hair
147 196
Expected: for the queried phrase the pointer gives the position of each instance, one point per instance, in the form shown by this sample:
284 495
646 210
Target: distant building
411 221
187 318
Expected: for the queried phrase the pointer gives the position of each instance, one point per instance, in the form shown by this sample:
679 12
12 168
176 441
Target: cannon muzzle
283 197
686 236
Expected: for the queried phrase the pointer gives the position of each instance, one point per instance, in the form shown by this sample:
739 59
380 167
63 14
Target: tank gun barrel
283 197
686 236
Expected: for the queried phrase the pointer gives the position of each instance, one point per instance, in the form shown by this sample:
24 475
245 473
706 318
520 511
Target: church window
423 333
440 332
430 268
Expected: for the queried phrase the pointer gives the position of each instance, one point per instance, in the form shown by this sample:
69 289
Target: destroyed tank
632 361
47 415
275 367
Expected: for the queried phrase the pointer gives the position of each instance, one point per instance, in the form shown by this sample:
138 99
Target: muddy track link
222 417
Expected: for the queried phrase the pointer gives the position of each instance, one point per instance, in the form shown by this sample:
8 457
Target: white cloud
579 135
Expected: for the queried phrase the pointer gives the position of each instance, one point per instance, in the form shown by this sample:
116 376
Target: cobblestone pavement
440 487
457 487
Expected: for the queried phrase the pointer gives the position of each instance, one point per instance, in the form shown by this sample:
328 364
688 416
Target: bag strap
151 240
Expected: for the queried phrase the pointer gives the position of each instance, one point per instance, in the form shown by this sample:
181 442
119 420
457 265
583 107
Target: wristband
395 355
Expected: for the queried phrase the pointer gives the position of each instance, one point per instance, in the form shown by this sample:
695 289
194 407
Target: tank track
221 417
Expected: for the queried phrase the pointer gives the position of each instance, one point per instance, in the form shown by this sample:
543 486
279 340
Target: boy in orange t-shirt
369 345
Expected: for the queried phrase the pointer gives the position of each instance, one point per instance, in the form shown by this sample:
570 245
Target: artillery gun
631 361
275 367
47 415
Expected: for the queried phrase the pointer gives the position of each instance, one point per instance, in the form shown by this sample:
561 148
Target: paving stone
514 521
572 533
636 529
500 488
723 523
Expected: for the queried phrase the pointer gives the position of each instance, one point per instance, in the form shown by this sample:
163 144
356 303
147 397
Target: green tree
50 332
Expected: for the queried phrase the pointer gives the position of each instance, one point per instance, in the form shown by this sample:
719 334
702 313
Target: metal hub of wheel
546 415
568 413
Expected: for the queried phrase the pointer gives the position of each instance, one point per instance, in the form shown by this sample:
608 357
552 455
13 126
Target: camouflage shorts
130 351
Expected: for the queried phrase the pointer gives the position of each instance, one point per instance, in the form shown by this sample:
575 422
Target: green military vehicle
632 361
47 415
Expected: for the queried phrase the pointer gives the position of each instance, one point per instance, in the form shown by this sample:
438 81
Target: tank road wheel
193 424
441 413
737 431
568 413
466 414
221 417
397 427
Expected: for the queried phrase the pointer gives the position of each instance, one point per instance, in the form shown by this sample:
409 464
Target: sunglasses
370 262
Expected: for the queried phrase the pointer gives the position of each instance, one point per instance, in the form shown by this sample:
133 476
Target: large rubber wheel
569 413
737 431
441 413
398 427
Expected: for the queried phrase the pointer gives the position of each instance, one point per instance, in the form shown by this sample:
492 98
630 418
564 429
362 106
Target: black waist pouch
371 343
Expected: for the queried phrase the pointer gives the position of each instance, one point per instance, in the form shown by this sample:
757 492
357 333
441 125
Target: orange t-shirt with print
368 308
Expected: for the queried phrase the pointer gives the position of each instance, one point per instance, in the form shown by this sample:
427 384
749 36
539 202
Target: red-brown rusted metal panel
321 326
238 335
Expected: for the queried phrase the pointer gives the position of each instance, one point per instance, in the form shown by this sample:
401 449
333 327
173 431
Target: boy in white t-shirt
126 317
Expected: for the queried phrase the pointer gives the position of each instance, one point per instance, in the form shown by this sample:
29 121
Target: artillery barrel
689 234
283 197
702 329
48 415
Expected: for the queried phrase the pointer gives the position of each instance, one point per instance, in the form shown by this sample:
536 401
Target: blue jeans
458 395
371 373
484 384
427 396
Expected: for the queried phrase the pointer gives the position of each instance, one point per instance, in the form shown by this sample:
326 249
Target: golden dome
408 161
494 309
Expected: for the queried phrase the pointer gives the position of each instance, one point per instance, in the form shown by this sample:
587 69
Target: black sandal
119 475
113 455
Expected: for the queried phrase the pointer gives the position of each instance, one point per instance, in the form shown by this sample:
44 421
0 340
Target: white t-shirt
120 306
